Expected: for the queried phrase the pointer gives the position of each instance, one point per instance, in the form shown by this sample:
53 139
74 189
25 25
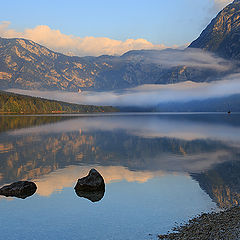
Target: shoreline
224 225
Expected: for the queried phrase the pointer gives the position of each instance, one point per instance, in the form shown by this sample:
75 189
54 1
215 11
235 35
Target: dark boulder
21 189
91 183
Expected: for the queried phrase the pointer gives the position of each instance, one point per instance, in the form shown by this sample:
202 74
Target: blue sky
168 22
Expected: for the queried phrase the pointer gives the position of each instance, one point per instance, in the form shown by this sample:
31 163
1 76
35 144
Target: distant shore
12 103
224 225
53 113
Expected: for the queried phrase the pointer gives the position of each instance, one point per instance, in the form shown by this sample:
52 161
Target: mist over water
153 94
146 95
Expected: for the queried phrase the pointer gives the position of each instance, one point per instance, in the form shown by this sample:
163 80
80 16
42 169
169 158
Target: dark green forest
16 103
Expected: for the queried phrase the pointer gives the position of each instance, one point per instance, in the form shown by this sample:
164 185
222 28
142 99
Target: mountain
16 103
222 35
27 65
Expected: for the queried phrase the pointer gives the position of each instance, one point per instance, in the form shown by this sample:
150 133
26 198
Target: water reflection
134 148
222 183
21 189
22 196
92 196
9 122
66 177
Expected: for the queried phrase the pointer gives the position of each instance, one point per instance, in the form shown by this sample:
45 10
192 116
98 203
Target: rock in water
21 189
91 183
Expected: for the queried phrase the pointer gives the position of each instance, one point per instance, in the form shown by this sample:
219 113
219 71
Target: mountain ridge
222 35
25 64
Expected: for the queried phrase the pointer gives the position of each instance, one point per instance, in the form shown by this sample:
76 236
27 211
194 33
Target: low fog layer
190 57
146 95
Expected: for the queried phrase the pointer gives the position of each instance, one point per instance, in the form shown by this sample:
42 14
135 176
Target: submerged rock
21 189
94 196
91 183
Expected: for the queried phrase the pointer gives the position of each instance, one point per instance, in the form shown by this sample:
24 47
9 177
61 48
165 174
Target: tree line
16 103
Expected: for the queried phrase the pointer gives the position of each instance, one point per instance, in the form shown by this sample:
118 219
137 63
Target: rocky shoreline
224 225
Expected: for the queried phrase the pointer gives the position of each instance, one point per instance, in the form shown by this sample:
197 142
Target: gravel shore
223 225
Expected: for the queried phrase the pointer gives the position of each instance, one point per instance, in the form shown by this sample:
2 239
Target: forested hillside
15 103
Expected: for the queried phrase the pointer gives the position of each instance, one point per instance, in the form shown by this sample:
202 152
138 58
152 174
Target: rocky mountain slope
222 35
28 65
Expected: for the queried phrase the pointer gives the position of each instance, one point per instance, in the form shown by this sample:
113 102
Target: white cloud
73 45
191 57
146 95
68 176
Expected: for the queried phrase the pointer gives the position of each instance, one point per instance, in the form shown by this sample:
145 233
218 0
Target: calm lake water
159 169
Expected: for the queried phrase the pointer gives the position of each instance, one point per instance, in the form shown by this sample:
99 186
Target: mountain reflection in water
55 151
222 183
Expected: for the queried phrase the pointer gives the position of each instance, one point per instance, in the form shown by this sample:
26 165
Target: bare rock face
93 182
21 189
222 35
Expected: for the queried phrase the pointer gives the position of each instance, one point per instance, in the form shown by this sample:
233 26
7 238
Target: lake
159 169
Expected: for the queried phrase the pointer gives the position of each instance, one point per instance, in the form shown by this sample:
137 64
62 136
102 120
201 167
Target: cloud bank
146 95
190 57
74 45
